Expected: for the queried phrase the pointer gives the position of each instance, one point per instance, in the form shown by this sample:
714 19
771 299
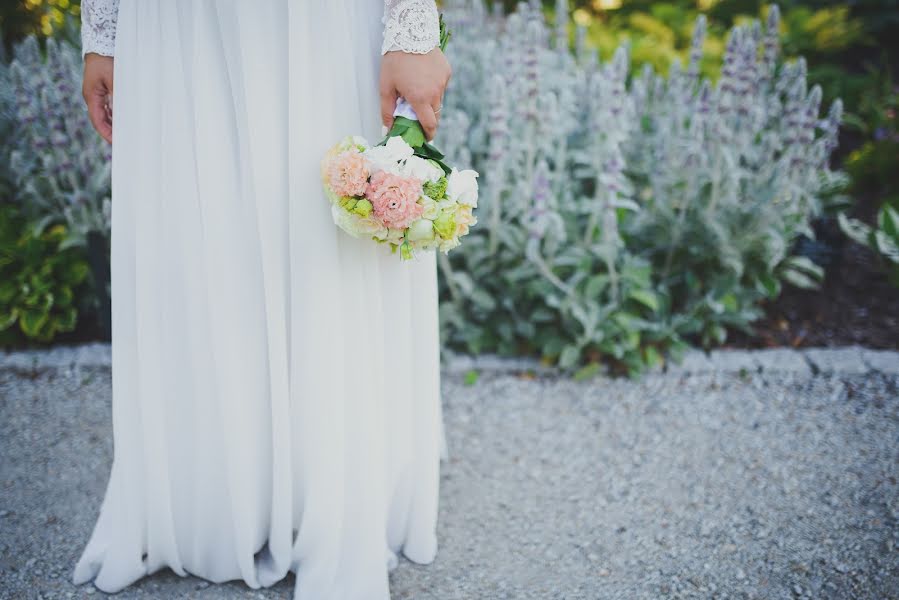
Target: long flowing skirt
275 382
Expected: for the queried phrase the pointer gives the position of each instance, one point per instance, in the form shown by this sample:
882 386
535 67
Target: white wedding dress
275 382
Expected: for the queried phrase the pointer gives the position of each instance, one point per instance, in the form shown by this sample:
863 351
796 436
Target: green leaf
768 285
482 299
67 319
445 34
717 333
855 229
646 298
886 246
64 295
31 322
553 347
651 356
409 130
729 301
73 241
6 320
74 273
8 291
799 279
569 357
595 285
430 151
471 377
39 226
888 220
588 371
806 266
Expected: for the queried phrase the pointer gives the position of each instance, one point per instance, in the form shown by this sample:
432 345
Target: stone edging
850 360
95 354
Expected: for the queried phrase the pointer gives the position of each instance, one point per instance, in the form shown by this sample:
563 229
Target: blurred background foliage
851 48
20 18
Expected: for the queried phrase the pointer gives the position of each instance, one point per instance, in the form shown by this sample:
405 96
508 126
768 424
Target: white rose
446 204
431 209
422 169
395 236
390 156
421 231
355 225
462 186
447 245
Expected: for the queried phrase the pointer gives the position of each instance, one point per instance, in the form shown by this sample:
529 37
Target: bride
275 383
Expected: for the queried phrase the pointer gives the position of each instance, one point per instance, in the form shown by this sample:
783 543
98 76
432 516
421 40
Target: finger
438 109
388 105
100 118
108 114
427 118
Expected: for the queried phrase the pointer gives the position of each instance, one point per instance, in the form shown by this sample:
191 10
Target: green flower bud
436 189
362 208
445 224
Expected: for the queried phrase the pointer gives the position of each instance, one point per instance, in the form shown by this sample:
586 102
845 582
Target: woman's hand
419 78
97 91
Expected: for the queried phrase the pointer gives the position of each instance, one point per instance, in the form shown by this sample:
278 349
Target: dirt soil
856 304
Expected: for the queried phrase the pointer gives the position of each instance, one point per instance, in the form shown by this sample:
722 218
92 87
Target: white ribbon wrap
404 109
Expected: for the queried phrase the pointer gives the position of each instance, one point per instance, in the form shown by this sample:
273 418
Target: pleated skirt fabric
275 382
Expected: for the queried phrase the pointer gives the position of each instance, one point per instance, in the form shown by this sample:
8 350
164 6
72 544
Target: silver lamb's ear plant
7 125
621 216
60 166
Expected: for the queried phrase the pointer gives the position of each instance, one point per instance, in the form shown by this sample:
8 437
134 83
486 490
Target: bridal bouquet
400 192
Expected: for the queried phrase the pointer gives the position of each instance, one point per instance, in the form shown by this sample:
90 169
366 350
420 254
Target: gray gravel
746 481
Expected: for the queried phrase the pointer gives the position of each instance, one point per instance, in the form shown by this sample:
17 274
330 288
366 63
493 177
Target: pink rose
395 199
348 173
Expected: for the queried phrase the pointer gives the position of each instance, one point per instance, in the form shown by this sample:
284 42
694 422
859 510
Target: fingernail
384 130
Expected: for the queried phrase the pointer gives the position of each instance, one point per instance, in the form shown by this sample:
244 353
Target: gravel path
716 480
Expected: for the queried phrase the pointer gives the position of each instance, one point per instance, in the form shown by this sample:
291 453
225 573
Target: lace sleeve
98 24
411 26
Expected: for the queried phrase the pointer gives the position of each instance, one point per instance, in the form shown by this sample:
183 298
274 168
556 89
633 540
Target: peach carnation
464 219
348 173
395 199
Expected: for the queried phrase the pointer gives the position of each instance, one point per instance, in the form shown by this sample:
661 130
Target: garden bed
855 305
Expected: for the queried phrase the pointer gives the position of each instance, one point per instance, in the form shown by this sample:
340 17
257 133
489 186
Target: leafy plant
7 125
39 280
731 174
873 166
20 18
883 239
622 215
60 166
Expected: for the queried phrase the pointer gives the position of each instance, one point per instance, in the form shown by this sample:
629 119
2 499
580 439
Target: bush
39 280
60 166
883 239
624 216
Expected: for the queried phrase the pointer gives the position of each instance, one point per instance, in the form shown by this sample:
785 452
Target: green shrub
39 281
61 166
883 239
874 167
624 214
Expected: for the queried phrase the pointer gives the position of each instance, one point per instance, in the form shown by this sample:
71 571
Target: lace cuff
98 25
410 26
